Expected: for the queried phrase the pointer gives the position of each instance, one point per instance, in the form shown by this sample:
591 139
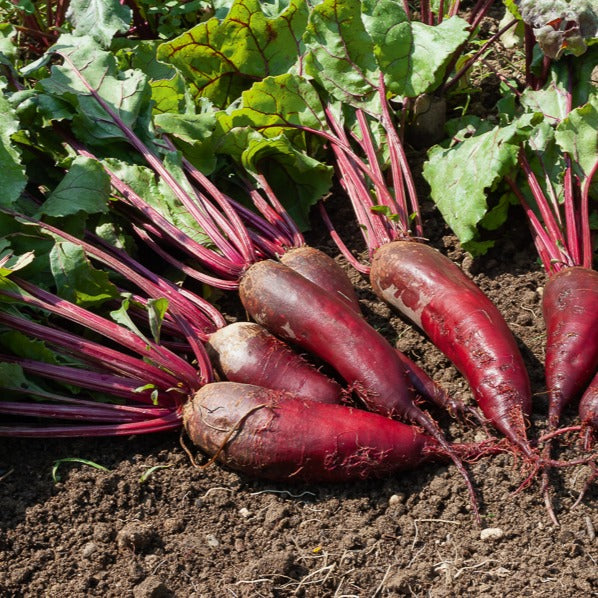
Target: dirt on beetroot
154 525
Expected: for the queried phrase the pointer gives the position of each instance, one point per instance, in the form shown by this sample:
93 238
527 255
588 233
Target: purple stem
461 72
203 314
111 330
425 14
297 237
245 244
374 228
440 15
118 386
197 309
94 353
340 244
201 354
479 12
547 250
571 219
548 215
218 263
269 225
454 9
233 248
395 145
90 413
397 204
145 235
586 233
373 231
158 424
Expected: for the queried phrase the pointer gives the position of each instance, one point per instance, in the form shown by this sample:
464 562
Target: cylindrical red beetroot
461 321
273 435
247 352
296 309
570 306
322 270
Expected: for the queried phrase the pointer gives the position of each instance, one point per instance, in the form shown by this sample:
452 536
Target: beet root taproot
273 435
323 271
299 311
436 295
570 308
588 412
246 352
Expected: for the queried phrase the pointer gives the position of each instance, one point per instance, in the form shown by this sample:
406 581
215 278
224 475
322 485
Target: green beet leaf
169 89
340 53
461 176
156 309
84 188
101 19
76 279
121 316
413 56
159 195
8 50
12 172
577 135
298 180
22 345
274 106
193 135
126 92
12 377
221 58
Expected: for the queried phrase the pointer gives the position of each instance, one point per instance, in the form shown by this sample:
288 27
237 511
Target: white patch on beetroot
232 357
392 296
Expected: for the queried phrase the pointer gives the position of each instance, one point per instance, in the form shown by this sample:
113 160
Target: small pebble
491 533
134 536
244 512
172 525
396 499
590 528
151 560
212 541
151 587
89 549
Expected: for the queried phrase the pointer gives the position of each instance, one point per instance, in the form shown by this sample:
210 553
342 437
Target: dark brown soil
193 532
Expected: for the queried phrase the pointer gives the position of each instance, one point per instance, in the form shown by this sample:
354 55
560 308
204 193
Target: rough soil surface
193 532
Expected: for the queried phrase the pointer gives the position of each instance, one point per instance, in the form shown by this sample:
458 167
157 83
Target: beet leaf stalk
562 236
241 352
135 385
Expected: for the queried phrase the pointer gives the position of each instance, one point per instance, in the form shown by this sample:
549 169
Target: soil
185 531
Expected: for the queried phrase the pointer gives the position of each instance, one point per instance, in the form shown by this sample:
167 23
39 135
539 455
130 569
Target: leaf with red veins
340 52
221 58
